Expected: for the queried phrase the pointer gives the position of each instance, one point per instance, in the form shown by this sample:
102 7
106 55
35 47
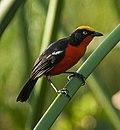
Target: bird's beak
97 34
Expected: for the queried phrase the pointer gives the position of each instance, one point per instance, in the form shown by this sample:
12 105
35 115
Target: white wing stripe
57 52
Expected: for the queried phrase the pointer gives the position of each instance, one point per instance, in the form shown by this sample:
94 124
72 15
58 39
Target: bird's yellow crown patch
86 27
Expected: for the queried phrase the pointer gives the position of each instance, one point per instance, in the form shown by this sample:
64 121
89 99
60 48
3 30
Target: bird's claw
79 76
64 91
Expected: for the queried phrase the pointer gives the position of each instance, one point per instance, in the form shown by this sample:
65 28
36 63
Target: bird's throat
86 41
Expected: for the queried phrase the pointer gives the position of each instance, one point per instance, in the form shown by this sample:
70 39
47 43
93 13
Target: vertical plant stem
61 27
49 35
86 69
26 45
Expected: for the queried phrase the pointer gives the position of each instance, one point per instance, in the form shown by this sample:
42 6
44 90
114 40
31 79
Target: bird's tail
26 90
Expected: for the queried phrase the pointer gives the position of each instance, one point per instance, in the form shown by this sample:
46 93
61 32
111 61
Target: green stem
61 27
86 69
25 38
8 9
49 35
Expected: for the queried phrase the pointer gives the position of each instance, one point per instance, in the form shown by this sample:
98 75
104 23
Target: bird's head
83 34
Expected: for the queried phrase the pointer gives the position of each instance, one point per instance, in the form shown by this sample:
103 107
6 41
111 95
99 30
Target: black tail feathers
26 90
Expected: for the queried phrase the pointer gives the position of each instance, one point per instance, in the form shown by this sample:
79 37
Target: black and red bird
59 57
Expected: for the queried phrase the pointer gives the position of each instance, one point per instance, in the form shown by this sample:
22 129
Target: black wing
49 58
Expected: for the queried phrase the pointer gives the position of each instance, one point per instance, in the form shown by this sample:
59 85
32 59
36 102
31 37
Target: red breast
71 57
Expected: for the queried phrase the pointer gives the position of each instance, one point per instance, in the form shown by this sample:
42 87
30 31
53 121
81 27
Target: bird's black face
80 34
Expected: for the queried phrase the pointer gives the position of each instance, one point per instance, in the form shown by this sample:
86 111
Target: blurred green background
19 47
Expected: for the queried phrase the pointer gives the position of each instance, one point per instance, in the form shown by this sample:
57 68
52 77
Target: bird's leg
62 91
51 83
77 75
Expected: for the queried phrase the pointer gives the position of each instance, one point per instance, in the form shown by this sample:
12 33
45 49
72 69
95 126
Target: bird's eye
85 32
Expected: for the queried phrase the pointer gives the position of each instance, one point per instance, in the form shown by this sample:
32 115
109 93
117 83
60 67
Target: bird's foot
77 75
64 91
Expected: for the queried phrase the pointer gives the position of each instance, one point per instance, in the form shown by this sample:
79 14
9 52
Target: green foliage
84 112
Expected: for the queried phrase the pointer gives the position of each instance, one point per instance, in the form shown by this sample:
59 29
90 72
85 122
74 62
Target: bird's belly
71 57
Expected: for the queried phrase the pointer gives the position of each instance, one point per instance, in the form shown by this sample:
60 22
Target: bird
59 57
